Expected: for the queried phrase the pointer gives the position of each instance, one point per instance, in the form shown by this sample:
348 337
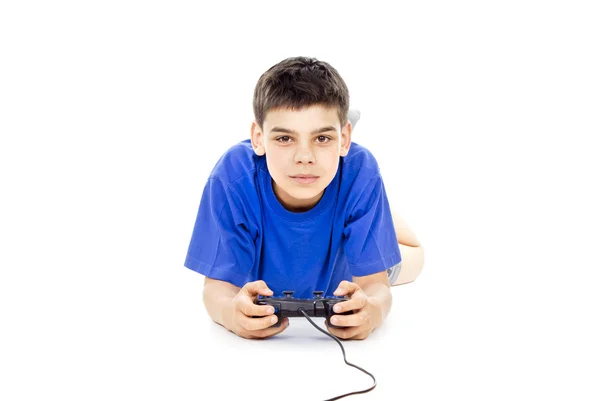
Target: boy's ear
346 139
257 139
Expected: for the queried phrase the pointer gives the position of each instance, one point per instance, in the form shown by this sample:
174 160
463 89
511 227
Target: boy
296 207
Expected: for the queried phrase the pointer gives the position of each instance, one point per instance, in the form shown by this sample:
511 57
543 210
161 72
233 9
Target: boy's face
302 149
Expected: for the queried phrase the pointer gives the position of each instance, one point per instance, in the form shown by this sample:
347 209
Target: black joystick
287 306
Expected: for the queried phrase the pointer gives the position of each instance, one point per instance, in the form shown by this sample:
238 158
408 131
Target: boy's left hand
366 316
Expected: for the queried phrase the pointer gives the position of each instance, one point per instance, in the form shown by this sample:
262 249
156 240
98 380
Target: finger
339 332
346 288
257 288
250 309
355 320
272 331
344 333
357 302
256 323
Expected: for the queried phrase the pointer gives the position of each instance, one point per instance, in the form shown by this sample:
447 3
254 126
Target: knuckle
241 332
246 308
264 323
257 334
250 310
258 311
246 325
242 305
338 332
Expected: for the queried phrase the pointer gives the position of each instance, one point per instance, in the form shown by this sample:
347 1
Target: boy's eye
286 139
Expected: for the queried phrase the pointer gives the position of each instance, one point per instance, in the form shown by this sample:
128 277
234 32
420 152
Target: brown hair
299 82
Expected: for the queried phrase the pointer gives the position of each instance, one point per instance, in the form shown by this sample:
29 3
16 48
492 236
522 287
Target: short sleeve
221 246
370 241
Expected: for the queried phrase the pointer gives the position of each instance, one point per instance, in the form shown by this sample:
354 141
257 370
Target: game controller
288 306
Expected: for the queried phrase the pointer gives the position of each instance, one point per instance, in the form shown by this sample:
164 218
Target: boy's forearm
381 297
217 297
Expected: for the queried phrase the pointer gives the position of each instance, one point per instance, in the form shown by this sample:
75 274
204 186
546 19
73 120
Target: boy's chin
305 194
299 194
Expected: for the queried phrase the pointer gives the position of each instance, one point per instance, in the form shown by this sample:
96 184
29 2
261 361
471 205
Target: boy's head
297 82
301 126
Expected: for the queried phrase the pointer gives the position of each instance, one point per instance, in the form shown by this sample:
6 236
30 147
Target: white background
485 121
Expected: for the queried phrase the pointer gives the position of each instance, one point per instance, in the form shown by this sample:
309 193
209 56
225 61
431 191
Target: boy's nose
304 156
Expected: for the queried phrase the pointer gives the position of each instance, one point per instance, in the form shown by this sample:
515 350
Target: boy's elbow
413 260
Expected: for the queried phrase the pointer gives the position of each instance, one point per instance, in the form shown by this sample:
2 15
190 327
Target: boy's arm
233 308
377 288
218 296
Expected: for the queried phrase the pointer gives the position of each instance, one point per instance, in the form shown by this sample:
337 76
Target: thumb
257 288
343 289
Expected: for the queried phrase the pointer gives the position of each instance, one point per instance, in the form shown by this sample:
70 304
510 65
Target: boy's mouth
304 178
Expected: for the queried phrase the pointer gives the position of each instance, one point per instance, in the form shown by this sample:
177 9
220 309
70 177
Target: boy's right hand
242 321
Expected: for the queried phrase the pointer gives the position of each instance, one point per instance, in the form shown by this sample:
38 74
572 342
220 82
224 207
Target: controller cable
302 310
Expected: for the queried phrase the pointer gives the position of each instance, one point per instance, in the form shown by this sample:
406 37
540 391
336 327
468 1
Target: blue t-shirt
243 233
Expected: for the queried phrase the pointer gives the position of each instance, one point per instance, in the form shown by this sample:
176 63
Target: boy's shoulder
360 160
236 162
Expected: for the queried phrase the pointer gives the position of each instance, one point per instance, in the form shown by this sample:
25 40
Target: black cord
301 310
